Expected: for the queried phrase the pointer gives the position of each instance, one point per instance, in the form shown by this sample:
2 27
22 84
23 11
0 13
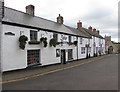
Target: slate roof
75 30
92 33
18 17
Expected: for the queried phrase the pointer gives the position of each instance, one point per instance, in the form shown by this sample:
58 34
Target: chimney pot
98 32
30 9
90 28
79 24
94 30
60 19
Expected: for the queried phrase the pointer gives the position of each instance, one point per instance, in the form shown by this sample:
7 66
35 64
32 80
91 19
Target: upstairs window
99 41
55 36
81 40
88 41
69 39
93 39
33 35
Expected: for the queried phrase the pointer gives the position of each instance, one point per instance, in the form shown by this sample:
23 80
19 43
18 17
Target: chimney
90 28
79 24
98 32
30 9
94 30
60 19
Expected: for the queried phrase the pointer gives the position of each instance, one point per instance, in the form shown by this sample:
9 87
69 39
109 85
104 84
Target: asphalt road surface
98 75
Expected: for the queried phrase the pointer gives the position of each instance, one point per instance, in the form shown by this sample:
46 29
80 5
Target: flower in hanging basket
75 43
44 40
53 42
71 43
22 41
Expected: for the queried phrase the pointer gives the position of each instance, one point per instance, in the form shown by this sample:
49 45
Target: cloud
100 14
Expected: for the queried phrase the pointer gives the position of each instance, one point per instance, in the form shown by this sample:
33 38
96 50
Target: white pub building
29 40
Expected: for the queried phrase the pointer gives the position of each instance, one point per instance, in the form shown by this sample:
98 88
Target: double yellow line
45 73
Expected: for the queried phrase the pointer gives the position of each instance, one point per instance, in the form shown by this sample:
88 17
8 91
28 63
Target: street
99 75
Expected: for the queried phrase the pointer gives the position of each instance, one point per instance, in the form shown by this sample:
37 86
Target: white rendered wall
85 41
13 56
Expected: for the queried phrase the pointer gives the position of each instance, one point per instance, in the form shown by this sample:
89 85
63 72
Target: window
70 54
99 41
82 50
93 39
69 39
57 52
89 49
33 57
55 36
81 40
33 35
88 41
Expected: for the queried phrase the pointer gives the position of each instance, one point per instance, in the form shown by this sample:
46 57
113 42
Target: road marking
52 71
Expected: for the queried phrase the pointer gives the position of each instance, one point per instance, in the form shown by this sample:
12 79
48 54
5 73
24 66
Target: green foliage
22 41
53 42
75 43
44 40
71 43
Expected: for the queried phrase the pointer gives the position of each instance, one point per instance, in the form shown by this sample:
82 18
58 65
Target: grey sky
100 14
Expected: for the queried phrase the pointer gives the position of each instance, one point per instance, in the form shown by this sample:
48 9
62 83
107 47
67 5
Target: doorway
63 56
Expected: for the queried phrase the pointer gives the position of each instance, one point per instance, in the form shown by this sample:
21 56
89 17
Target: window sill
34 42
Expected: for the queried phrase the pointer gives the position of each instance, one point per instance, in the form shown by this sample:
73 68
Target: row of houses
29 40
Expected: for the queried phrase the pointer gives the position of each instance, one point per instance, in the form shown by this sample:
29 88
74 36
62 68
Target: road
99 75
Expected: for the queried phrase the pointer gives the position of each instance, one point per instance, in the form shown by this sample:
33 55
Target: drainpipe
77 48
1 16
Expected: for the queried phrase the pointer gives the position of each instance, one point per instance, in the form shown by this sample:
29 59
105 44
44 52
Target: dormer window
33 35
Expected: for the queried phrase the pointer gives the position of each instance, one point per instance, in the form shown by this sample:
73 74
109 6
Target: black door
63 57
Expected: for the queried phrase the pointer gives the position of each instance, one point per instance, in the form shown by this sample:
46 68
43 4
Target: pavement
35 71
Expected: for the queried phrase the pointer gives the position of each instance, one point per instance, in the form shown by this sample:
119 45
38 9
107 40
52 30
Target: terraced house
28 40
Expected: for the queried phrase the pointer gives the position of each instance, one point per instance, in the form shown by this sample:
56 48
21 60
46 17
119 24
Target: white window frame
33 35
81 40
82 50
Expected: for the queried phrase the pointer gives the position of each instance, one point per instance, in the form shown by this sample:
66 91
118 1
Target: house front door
63 56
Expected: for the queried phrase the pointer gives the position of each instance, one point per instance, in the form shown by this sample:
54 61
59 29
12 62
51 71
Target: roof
75 30
18 17
92 33
84 32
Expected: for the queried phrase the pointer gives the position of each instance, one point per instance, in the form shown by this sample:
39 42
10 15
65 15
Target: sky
100 14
